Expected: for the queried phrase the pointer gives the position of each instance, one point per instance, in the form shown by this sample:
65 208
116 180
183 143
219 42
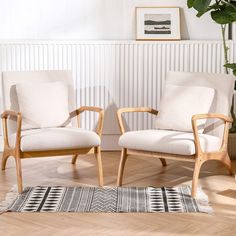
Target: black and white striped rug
108 199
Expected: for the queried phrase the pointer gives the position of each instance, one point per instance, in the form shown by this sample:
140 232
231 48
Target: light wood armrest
8 113
212 115
132 109
5 115
80 110
226 120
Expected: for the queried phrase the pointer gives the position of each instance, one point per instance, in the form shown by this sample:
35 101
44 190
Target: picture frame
158 23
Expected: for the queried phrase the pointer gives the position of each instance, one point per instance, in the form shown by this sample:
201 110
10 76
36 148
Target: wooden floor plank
139 171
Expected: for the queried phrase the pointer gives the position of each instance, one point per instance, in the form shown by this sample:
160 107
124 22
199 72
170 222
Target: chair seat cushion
49 139
167 141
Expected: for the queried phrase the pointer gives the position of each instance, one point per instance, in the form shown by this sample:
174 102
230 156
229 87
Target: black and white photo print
157 23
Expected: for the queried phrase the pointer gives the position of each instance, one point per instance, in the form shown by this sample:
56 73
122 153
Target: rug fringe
9 199
202 201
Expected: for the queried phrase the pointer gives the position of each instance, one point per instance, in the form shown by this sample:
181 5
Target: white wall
89 19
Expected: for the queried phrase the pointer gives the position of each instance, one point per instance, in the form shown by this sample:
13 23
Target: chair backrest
10 79
224 88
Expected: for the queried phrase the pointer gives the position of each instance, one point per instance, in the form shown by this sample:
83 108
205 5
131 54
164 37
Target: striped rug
108 199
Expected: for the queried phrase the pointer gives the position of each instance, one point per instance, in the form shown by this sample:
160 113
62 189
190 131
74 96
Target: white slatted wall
114 74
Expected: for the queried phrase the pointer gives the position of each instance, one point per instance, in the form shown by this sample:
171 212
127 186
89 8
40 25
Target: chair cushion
56 139
43 104
167 141
180 103
224 88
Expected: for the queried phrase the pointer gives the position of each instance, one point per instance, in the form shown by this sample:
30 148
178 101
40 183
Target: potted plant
223 12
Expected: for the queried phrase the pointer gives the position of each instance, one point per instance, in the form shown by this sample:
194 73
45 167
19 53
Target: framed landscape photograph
157 23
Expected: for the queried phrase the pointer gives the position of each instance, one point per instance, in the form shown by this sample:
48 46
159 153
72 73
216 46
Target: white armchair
187 125
38 121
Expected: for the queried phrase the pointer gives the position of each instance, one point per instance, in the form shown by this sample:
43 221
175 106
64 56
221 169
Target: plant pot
232 146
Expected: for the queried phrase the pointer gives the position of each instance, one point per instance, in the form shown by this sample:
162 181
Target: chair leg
121 167
97 153
163 161
196 172
74 159
227 162
5 157
19 173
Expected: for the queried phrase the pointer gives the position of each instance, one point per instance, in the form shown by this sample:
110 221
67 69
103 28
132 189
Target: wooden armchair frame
199 158
18 154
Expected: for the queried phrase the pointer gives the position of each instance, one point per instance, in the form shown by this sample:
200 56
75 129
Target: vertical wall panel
114 74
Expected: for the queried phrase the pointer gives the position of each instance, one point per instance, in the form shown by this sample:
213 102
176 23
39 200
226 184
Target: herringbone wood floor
140 171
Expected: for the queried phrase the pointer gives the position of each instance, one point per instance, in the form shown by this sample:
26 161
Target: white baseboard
109 143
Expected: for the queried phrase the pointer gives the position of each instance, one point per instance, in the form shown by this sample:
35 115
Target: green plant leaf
190 3
201 5
212 7
231 3
225 15
199 14
231 66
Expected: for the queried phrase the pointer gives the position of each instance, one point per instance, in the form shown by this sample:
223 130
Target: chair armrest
6 115
132 109
226 120
80 110
212 115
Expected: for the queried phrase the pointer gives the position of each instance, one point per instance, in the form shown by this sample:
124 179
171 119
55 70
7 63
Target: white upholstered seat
56 139
167 141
